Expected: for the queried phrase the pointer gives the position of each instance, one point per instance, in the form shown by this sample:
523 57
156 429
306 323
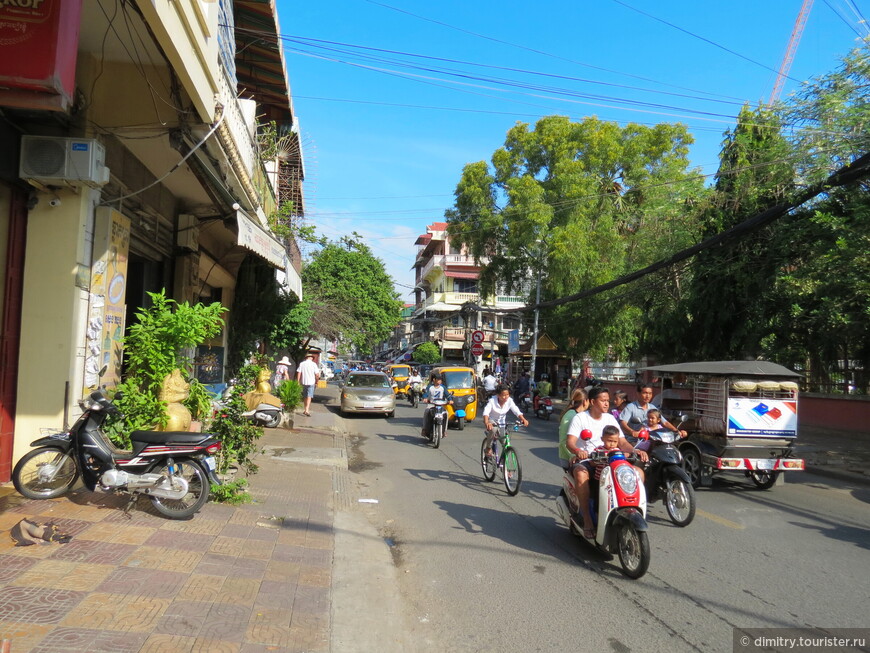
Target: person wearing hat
282 372
307 374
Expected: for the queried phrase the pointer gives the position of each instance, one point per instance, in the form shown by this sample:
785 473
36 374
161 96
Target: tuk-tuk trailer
741 416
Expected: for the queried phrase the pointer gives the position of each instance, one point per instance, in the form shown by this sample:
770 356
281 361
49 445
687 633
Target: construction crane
793 42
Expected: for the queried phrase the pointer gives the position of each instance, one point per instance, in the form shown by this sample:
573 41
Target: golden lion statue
262 394
175 390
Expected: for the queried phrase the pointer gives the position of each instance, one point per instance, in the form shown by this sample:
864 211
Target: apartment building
131 161
449 304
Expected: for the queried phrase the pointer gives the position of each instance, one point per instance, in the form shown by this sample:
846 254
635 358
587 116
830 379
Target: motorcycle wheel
487 463
272 423
436 434
513 472
460 423
198 487
634 551
692 465
679 501
413 399
764 480
547 414
26 479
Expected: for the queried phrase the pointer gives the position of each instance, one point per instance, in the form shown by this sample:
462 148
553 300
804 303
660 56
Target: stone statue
263 392
175 390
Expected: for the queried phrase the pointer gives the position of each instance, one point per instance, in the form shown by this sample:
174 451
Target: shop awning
437 306
452 344
253 237
461 275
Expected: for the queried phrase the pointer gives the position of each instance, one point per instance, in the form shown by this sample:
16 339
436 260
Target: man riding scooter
435 391
594 419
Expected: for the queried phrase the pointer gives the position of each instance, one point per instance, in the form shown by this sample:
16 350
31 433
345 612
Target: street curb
837 474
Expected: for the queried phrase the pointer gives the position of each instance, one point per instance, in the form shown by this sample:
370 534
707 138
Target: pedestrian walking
307 375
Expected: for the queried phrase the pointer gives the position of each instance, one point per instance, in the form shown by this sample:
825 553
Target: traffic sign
477 349
476 337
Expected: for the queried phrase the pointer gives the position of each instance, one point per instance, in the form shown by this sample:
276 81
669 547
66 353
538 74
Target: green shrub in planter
290 394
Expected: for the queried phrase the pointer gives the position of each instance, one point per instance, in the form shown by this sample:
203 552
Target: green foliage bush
231 492
290 394
427 354
238 436
154 346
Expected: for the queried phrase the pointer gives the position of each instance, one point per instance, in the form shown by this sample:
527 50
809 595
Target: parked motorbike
618 512
544 408
266 415
665 477
173 469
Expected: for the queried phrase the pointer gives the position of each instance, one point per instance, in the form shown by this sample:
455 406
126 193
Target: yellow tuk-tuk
461 382
400 373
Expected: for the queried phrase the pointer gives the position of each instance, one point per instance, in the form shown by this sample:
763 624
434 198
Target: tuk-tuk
399 373
741 416
462 384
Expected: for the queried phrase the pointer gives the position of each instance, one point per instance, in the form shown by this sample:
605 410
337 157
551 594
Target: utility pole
535 332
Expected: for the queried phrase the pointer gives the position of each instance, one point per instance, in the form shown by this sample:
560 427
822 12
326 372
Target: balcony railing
240 129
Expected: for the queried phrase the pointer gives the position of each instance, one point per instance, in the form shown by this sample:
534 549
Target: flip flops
28 533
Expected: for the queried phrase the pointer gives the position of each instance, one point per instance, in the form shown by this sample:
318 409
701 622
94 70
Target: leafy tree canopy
427 354
578 204
346 281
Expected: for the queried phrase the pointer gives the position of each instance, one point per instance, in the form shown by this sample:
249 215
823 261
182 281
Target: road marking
720 520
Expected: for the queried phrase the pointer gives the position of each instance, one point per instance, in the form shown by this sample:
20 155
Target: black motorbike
173 469
665 477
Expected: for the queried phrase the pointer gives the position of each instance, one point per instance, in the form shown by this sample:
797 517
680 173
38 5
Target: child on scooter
610 440
654 420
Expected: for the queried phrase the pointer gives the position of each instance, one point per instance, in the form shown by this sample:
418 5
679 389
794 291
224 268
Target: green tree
427 354
724 311
155 345
577 204
352 293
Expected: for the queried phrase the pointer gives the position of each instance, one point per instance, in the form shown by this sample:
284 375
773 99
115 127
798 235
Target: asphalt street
479 570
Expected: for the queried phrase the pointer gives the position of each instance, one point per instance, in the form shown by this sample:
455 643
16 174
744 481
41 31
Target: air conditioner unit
56 159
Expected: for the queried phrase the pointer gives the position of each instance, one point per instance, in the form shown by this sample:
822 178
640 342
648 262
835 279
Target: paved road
481 571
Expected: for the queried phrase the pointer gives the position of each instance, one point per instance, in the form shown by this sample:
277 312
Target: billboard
765 417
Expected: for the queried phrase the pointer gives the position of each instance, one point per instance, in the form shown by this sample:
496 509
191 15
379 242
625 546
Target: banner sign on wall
768 417
108 305
40 40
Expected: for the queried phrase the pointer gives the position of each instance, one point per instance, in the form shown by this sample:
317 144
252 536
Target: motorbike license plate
209 463
764 464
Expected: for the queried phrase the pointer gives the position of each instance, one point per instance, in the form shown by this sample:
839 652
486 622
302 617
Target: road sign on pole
477 337
477 349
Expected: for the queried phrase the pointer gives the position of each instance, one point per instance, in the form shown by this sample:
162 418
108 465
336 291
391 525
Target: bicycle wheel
487 463
513 473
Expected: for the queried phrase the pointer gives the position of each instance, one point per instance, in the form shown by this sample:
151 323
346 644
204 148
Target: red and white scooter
618 512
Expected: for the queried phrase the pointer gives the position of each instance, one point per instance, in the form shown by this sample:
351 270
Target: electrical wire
702 38
528 49
171 170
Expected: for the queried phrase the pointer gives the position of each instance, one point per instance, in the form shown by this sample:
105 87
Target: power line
858 169
702 38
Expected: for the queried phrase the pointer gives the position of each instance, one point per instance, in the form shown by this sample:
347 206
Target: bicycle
508 461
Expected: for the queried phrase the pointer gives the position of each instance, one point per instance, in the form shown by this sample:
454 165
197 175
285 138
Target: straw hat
284 361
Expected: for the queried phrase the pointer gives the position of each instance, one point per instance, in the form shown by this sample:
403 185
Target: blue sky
384 144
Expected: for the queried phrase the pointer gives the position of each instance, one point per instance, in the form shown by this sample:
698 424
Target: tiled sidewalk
251 578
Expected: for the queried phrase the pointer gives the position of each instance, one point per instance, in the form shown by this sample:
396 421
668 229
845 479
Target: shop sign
261 243
39 40
108 299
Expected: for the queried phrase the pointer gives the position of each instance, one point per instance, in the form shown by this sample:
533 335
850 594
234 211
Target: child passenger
654 420
610 442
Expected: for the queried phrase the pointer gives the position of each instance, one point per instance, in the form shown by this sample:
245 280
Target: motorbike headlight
627 479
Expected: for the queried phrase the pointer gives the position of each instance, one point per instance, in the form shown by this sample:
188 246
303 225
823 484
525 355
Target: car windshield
459 380
401 371
368 381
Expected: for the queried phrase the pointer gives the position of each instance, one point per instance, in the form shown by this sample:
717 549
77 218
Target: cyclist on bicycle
495 411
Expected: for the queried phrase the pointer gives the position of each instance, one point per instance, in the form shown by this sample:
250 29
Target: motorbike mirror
585 434
643 434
